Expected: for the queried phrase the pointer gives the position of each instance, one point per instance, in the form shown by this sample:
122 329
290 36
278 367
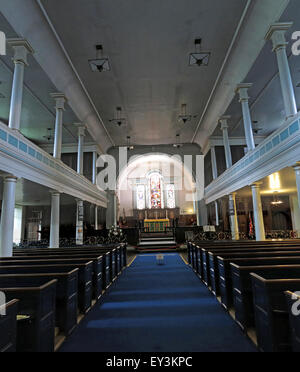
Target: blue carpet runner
158 309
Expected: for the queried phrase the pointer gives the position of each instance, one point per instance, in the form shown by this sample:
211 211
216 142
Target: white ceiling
148 43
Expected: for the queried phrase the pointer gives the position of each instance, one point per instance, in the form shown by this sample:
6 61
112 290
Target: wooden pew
209 256
35 333
62 259
271 313
116 256
242 288
293 301
225 279
8 326
66 294
214 276
121 251
84 278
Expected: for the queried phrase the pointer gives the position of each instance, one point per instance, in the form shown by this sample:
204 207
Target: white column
233 217
94 180
214 162
7 216
21 50
95 158
215 175
224 127
55 219
79 222
295 213
60 100
111 212
242 90
276 34
258 213
297 174
96 218
81 135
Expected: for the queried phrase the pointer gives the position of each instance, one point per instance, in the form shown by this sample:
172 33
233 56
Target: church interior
149 176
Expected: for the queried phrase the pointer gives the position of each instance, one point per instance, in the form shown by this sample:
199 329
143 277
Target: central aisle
158 308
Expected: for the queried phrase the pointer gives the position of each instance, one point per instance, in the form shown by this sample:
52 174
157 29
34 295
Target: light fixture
129 146
177 145
276 202
199 58
49 137
275 181
100 63
184 116
118 119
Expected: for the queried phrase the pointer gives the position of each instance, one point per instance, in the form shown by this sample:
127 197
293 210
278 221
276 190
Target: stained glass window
140 197
171 203
155 191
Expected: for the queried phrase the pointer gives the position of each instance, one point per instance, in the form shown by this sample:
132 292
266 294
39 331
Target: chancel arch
156 186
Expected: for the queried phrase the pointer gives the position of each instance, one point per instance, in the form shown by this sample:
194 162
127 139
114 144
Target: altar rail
22 158
278 151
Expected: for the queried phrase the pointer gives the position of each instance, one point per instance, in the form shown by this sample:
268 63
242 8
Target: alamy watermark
296 305
188 171
2 304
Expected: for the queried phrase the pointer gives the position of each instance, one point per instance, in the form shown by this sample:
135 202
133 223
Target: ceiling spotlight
199 57
129 146
177 145
100 63
118 117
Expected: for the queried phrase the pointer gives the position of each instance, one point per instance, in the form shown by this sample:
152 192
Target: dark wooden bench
293 301
121 252
242 288
199 255
214 277
8 326
84 278
225 278
271 312
36 332
210 262
66 294
117 256
62 259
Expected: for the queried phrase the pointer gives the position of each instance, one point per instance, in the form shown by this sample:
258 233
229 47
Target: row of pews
48 291
258 283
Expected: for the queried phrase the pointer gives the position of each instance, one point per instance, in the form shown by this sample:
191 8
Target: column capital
296 166
60 100
276 34
81 128
21 48
54 192
224 121
256 185
10 178
242 91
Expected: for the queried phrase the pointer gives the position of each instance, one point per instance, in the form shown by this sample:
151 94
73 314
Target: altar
156 225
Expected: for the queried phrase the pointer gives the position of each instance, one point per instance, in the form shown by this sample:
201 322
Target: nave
158 308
